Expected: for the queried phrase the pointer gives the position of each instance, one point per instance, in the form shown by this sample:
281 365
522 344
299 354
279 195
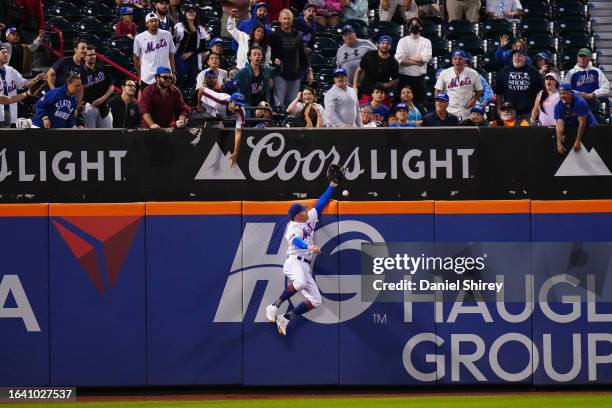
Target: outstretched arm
322 201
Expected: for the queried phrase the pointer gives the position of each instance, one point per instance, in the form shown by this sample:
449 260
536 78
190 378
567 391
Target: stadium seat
326 46
487 62
572 24
213 27
120 43
537 8
495 28
120 58
390 28
442 61
460 28
440 46
318 61
472 44
570 8
542 42
567 60
576 40
90 25
208 13
100 11
94 40
66 10
535 25
431 29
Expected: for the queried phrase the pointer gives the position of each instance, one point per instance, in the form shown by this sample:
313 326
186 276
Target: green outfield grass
468 401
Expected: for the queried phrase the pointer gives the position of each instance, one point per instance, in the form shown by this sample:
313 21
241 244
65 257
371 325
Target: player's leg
295 281
301 274
312 298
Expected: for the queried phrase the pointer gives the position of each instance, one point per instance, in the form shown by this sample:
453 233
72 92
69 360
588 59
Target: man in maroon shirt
162 103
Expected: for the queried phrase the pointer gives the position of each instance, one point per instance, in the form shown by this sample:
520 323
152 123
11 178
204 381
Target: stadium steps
601 19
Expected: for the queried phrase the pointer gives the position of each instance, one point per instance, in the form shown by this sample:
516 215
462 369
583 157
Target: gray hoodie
341 107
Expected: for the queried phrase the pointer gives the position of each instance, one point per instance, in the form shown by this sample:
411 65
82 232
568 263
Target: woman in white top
306 110
258 36
213 62
543 111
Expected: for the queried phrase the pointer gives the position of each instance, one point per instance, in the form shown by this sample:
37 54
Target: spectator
209 82
275 7
212 62
462 84
476 117
32 18
377 67
65 67
407 8
460 9
174 10
11 80
98 88
165 21
401 116
441 116
511 10
216 47
126 26
365 114
162 104
21 55
487 91
355 10
305 24
407 98
258 36
544 64
124 106
152 48
287 46
227 6
190 37
263 115
588 81
259 16
328 12
231 72
518 84
349 55
572 110
503 56
254 79
380 113
508 117
543 112
227 106
305 109
413 53
56 109
341 104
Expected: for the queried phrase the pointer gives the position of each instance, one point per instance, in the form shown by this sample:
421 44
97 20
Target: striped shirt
154 51
216 104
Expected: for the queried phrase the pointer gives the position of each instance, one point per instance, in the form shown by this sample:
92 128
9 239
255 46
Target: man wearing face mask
518 84
413 53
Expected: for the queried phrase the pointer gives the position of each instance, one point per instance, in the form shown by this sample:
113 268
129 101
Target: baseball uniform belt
302 259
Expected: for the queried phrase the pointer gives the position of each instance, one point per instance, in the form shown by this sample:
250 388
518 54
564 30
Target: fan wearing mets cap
300 251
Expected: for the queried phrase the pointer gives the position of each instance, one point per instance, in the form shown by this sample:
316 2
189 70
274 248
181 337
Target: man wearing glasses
162 104
124 107
98 84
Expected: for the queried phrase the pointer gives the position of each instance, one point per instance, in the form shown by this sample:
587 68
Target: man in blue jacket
56 109
259 15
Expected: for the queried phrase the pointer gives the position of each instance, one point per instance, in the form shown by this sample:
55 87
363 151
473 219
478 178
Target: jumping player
300 236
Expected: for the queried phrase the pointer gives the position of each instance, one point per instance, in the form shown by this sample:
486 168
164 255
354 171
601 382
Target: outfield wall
174 294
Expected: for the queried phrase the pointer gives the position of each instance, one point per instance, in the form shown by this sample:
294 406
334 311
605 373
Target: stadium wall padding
175 294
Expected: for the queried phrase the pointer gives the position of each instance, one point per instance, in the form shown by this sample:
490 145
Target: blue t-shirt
397 124
380 114
570 113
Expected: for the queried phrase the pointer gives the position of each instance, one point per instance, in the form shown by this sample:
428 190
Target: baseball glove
37 87
335 173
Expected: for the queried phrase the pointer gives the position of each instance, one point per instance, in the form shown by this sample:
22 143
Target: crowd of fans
371 86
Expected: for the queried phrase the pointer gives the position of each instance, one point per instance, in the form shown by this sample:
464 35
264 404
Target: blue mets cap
295 209
126 11
565 87
384 38
162 70
347 28
459 53
339 71
544 55
238 99
442 97
401 106
478 108
215 41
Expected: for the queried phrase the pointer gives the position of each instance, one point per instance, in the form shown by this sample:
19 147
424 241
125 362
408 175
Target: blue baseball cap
126 11
162 70
565 87
544 55
10 30
347 28
210 73
339 71
386 38
478 108
238 99
459 53
400 106
442 97
216 40
295 209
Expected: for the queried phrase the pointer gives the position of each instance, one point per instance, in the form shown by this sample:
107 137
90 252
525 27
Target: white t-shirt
216 103
154 52
14 81
304 231
221 77
498 7
460 89
410 47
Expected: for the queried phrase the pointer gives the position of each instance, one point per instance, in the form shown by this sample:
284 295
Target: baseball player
300 251
152 48
222 105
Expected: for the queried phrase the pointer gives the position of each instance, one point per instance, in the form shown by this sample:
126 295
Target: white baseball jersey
460 89
216 103
304 231
154 52
221 77
14 81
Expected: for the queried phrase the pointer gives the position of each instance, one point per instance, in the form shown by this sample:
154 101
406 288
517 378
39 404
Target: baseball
345 193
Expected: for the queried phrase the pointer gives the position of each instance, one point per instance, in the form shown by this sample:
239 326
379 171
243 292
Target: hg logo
252 264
